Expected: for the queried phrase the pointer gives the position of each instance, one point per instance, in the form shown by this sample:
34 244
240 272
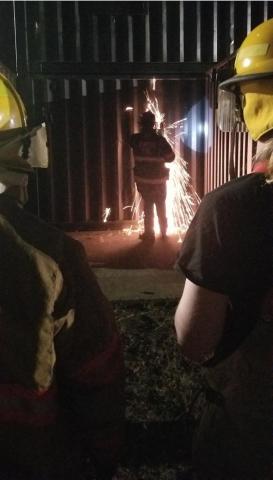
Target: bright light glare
128 108
203 128
106 214
246 62
2 187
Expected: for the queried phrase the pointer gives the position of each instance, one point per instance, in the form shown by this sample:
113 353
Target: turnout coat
61 366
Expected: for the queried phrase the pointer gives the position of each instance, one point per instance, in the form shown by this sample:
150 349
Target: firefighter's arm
167 151
199 321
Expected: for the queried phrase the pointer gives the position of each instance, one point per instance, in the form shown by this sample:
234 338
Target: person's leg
146 192
148 217
161 209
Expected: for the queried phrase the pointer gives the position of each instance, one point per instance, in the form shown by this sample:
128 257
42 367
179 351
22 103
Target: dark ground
161 388
116 249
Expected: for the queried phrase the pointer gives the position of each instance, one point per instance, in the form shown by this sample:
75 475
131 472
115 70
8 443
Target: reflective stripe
151 181
103 368
139 158
27 406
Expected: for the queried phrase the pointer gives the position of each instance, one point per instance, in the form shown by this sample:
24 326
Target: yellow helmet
13 129
254 59
12 109
250 90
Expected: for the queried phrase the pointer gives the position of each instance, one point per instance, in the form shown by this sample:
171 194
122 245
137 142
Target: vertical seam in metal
49 99
42 23
15 35
248 17
60 31
265 10
130 39
85 152
102 164
147 38
113 39
78 31
68 155
198 32
95 38
164 31
231 27
181 36
215 32
119 152
26 36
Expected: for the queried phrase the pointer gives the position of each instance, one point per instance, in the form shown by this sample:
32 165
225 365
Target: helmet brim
232 82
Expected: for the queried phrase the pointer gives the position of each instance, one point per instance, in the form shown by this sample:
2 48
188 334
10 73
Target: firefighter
151 151
224 319
61 366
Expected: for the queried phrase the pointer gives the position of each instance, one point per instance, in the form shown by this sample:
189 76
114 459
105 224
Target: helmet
13 128
16 136
147 119
254 59
16 158
253 83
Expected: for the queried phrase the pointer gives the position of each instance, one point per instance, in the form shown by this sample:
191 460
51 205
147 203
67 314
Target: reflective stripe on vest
26 406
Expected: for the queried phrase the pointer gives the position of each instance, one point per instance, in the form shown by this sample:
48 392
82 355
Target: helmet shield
229 111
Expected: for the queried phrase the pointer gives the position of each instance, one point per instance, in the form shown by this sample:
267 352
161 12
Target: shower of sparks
135 209
182 200
106 214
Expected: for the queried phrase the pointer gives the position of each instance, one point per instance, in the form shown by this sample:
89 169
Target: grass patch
161 392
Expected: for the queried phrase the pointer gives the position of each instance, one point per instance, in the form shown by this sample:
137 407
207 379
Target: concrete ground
141 284
129 269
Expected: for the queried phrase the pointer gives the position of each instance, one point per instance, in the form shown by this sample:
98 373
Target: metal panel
83 62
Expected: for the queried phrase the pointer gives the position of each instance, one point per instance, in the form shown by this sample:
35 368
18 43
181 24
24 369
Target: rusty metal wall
91 164
78 64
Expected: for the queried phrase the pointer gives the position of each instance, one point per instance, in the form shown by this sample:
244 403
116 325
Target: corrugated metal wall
79 64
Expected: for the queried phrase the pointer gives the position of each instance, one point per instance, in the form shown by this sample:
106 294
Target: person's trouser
154 195
234 437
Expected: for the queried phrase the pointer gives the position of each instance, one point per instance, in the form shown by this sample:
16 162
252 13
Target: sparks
135 209
182 200
106 214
